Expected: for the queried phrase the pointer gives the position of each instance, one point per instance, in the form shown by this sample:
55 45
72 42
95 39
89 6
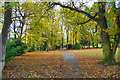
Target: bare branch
73 4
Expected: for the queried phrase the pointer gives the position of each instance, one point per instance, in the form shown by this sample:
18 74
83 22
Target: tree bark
93 44
14 30
4 35
62 33
6 25
97 45
67 32
108 55
48 44
107 51
62 41
75 37
89 45
67 41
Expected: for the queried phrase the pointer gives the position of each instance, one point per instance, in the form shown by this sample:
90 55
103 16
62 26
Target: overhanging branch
83 22
87 20
80 11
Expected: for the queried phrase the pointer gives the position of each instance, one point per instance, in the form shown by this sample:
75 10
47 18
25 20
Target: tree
6 25
101 20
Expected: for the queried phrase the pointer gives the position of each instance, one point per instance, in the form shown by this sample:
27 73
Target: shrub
31 47
70 46
57 47
14 48
43 48
76 46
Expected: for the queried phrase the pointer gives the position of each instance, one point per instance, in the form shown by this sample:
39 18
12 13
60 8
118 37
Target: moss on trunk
109 56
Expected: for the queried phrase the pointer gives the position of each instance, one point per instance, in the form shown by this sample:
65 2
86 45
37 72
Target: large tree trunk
6 25
1 57
107 52
3 38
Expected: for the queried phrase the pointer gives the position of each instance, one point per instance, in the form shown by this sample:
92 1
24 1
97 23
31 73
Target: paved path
69 58
72 61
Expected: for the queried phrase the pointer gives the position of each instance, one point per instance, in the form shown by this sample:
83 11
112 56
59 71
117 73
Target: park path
70 59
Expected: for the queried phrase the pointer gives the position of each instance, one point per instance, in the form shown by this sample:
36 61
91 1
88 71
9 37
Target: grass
94 52
88 59
89 53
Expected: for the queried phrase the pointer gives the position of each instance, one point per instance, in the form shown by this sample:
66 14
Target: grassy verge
93 52
89 53
88 59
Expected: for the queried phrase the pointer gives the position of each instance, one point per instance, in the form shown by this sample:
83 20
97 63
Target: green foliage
14 48
118 44
95 44
31 47
76 46
64 44
83 42
43 48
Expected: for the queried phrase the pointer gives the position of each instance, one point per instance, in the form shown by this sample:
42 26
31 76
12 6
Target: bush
57 47
31 48
76 46
70 46
83 42
43 48
14 48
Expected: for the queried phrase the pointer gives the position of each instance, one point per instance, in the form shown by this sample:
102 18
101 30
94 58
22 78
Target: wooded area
47 26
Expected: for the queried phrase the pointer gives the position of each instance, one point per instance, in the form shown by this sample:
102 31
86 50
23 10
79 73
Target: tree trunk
75 37
4 35
48 44
108 55
93 44
62 41
89 45
97 45
67 41
22 27
14 30
6 25
62 34
67 32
